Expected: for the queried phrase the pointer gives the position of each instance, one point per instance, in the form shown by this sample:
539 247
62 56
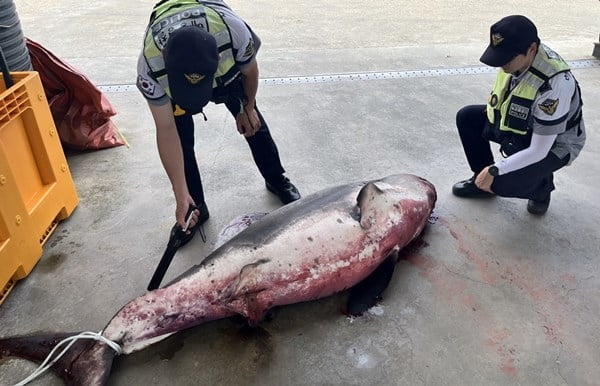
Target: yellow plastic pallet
36 187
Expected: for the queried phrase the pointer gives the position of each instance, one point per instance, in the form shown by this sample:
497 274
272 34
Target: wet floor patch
51 263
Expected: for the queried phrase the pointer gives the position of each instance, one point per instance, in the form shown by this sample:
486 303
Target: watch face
493 170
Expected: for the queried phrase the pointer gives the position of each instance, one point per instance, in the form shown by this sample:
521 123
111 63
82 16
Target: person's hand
247 122
181 210
484 180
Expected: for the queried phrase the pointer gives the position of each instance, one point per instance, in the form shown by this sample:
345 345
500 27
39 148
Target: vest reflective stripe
510 111
172 14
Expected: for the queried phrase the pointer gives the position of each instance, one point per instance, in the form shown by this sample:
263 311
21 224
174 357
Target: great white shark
324 243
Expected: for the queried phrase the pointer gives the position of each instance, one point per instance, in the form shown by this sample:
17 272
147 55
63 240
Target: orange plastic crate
36 187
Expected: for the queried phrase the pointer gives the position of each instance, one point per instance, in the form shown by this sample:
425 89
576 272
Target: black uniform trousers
264 151
533 182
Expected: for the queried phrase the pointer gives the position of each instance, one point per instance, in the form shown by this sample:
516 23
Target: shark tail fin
86 362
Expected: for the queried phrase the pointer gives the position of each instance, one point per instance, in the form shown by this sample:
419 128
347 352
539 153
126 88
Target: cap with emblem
509 37
191 60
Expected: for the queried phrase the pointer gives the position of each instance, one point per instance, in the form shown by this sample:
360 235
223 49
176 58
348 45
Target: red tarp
81 112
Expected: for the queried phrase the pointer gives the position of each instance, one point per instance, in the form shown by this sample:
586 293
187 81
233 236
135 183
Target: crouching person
533 112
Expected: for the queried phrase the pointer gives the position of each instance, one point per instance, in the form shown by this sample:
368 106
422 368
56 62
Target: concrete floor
495 296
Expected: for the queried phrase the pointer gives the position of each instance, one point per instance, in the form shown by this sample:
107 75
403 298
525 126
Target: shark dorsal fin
365 200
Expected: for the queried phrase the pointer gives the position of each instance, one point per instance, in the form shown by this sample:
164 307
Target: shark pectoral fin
255 311
250 307
368 292
244 281
243 295
365 200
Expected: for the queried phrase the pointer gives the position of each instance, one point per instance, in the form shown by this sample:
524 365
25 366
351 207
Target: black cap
191 60
509 37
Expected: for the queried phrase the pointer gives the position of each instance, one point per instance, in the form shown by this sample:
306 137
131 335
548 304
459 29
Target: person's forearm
171 156
169 147
250 84
537 151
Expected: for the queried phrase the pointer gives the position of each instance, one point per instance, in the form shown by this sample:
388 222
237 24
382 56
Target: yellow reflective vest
509 111
169 15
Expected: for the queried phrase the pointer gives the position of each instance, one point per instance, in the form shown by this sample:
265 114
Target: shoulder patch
249 49
146 85
549 106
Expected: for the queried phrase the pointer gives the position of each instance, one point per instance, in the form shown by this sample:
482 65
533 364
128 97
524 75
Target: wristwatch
493 170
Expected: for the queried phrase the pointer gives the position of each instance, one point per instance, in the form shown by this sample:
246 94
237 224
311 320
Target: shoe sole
474 195
537 212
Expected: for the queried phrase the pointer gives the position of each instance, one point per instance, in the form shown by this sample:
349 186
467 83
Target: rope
47 363
122 137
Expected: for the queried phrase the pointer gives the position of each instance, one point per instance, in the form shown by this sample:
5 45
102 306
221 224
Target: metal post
596 52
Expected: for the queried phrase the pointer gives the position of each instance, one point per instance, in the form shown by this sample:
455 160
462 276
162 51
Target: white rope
47 363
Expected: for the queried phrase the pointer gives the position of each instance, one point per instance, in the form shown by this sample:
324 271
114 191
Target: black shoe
538 207
284 189
467 188
202 218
